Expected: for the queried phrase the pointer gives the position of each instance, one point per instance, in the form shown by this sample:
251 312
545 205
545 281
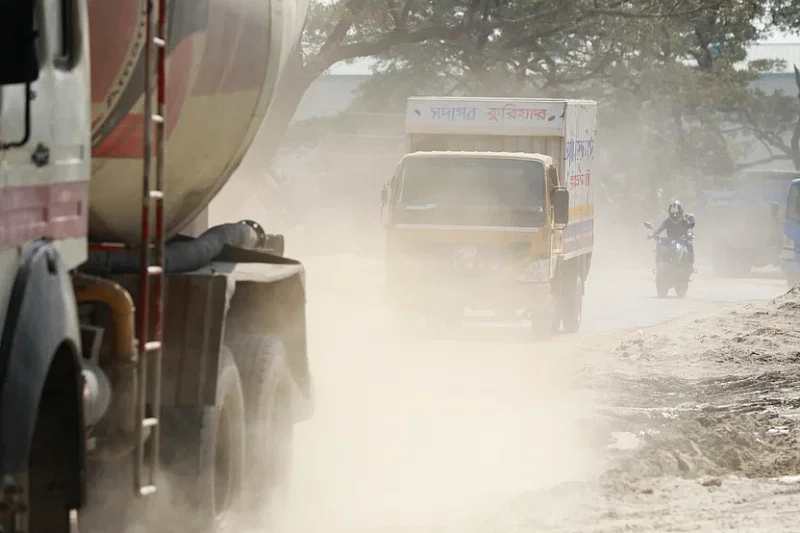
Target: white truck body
562 129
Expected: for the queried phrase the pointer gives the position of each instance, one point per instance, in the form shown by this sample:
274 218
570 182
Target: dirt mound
707 396
738 339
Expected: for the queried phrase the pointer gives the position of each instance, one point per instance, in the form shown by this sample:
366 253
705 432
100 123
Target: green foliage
677 102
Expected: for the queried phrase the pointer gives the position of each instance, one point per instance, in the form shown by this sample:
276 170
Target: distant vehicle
492 209
790 252
673 270
745 222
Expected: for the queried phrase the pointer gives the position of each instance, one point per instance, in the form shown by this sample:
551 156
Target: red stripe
125 141
54 210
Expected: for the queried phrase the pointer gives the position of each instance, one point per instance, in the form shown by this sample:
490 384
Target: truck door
45 133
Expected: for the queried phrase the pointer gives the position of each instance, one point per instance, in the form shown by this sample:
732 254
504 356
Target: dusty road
492 434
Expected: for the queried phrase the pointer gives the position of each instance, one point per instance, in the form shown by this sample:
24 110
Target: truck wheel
47 497
204 456
44 498
545 321
269 392
571 303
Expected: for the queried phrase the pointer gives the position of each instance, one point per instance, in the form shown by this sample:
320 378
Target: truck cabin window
471 191
18 60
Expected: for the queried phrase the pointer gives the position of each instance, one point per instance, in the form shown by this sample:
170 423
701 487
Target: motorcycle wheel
662 288
681 289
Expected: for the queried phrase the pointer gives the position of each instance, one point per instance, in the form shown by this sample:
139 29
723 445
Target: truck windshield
462 187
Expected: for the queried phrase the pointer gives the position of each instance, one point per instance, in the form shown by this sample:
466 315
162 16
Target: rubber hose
179 256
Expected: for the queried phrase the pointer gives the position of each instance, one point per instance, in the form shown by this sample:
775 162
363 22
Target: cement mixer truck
147 377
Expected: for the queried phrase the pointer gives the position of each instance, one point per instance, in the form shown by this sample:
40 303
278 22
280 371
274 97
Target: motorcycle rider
679 224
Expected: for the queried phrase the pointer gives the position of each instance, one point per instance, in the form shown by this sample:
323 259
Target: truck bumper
477 296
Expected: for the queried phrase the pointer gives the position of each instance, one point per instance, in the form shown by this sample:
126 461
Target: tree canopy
677 97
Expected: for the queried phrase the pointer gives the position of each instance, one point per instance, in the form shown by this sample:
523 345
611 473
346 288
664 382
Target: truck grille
460 259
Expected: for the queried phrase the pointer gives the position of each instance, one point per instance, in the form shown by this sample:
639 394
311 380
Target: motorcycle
673 270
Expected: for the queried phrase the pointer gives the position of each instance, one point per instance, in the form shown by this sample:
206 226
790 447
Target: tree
666 74
774 119
348 29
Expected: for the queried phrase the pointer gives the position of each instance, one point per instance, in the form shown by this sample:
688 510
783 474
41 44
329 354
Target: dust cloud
488 431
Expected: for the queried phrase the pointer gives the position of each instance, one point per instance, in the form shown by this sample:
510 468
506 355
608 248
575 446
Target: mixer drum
224 59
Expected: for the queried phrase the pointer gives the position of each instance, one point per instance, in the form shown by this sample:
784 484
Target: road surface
424 436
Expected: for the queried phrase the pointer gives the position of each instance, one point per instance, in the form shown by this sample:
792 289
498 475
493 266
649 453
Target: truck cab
478 230
492 209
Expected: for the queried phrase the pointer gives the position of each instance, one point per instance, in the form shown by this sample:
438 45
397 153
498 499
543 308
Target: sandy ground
661 415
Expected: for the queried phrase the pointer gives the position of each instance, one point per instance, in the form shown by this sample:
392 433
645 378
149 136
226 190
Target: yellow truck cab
491 209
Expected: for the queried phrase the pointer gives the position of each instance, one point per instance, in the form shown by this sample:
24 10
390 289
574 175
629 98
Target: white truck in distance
492 208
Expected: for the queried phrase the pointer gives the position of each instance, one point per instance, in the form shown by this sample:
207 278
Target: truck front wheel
571 302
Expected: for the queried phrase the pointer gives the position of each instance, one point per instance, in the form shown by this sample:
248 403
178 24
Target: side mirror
648 225
559 196
17 33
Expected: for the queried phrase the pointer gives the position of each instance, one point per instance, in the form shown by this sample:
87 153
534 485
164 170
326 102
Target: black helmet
675 210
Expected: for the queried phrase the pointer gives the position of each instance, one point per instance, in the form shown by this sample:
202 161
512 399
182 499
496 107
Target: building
332 92
781 79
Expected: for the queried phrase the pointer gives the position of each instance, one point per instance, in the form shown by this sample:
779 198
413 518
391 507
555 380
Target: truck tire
269 392
47 499
571 302
203 452
545 321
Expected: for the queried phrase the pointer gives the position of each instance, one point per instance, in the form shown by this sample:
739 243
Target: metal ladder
151 275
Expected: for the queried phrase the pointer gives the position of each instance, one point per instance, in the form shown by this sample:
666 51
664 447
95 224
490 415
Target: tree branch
342 27
767 139
750 164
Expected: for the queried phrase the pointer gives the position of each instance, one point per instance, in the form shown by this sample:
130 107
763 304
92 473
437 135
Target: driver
679 225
